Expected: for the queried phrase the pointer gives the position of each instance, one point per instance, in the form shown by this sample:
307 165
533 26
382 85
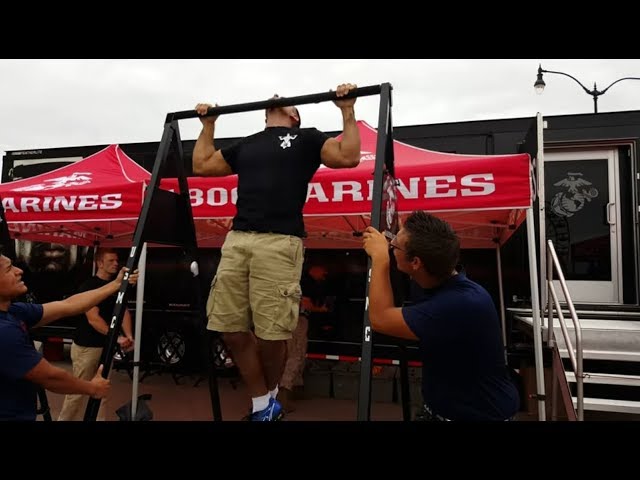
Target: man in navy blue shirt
22 368
464 375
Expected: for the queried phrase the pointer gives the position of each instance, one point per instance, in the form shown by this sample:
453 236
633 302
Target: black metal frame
182 224
383 177
43 408
384 169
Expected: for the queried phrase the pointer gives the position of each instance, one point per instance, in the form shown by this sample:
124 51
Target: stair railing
575 356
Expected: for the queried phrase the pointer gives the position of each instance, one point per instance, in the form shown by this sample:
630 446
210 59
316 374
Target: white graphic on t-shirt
286 140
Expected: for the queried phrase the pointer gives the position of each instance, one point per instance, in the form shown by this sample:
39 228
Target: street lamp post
595 93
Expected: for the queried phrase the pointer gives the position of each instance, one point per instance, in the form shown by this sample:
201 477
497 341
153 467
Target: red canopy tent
483 197
97 198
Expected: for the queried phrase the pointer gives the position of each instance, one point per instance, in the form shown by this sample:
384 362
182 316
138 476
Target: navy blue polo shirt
18 397
464 374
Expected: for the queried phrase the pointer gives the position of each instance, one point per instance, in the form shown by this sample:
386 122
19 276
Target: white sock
274 392
260 403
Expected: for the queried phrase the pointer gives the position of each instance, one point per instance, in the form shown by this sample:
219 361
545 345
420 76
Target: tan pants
257 285
85 362
296 356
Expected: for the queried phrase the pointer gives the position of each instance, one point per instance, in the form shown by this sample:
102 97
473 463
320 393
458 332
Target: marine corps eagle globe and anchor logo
578 192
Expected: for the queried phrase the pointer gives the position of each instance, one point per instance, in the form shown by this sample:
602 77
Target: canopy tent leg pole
535 313
503 317
541 194
142 263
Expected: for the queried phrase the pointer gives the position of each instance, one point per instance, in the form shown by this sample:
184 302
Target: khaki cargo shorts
257 285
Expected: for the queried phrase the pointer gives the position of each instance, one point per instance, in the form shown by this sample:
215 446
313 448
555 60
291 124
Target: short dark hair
434 242
102 251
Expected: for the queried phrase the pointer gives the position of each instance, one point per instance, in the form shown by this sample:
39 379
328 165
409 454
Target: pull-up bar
171 139
277 102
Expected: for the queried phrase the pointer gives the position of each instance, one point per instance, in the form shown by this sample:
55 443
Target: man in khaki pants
91 335
257 285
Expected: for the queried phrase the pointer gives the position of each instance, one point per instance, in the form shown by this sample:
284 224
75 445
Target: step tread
607 378
588 324
586 310
617 355
609 405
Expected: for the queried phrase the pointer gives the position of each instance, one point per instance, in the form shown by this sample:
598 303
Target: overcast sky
59 103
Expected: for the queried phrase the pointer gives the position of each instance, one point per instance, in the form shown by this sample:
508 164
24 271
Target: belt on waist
429 415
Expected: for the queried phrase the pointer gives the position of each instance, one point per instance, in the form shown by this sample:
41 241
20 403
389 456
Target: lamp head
539 85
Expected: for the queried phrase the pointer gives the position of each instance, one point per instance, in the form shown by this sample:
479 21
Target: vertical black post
384 157
44 409
405 394
214 359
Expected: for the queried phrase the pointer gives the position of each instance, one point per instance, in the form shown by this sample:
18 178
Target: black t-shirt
85 334
274 168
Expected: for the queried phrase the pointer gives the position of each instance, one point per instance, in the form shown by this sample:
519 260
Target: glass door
582 214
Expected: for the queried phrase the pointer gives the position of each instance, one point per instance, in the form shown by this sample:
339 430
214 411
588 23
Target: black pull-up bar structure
277 102
167 218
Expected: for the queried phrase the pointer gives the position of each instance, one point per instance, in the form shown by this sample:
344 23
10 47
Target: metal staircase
610 351
597 354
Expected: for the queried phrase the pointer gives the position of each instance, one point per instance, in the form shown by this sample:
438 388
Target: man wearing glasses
464 375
